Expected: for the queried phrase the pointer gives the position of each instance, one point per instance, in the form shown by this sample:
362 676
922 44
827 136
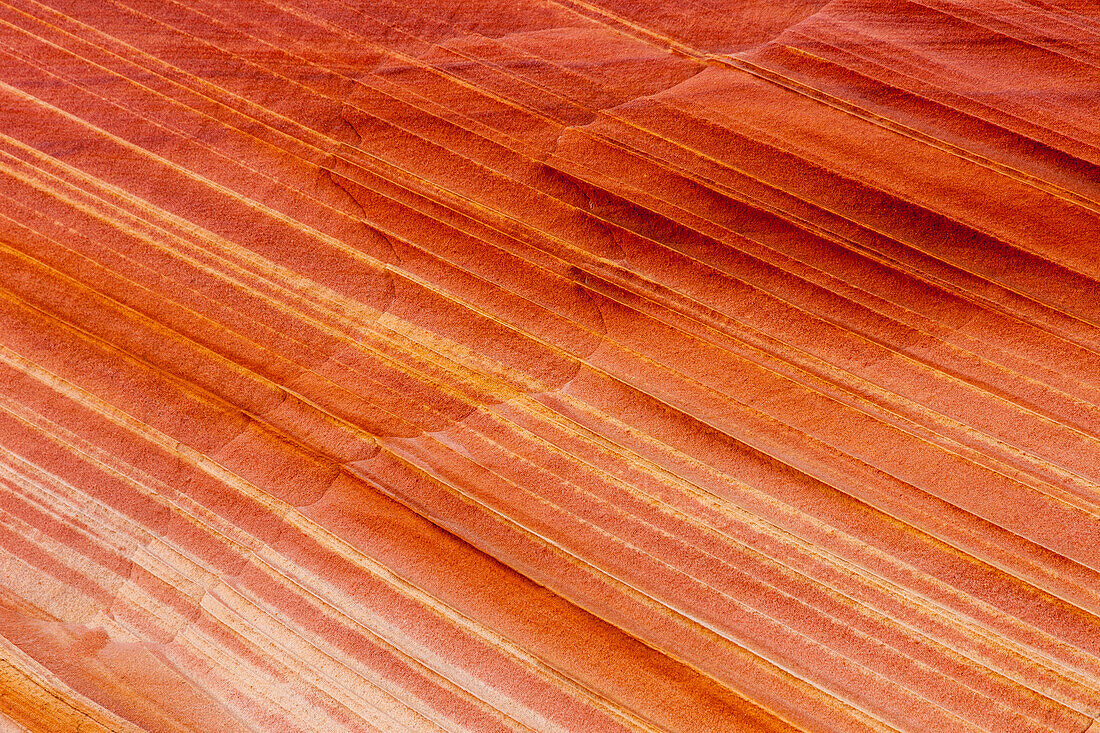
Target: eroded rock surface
549 365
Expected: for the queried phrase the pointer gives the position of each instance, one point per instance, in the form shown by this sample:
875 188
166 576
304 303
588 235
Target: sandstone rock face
549 365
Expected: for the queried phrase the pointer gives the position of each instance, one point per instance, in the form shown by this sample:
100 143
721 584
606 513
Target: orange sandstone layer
549 365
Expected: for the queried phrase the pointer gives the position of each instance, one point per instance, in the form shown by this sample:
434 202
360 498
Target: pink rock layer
549 365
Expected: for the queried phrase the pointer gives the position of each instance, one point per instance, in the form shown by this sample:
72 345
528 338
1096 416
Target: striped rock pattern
549 365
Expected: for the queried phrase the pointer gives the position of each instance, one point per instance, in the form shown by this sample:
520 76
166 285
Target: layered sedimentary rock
549 365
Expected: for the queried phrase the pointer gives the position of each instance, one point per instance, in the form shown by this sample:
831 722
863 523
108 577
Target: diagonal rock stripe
552 365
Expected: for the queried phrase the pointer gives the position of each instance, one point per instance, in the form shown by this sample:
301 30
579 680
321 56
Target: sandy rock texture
550 365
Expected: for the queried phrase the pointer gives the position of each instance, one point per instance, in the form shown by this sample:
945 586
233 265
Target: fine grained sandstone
549 365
